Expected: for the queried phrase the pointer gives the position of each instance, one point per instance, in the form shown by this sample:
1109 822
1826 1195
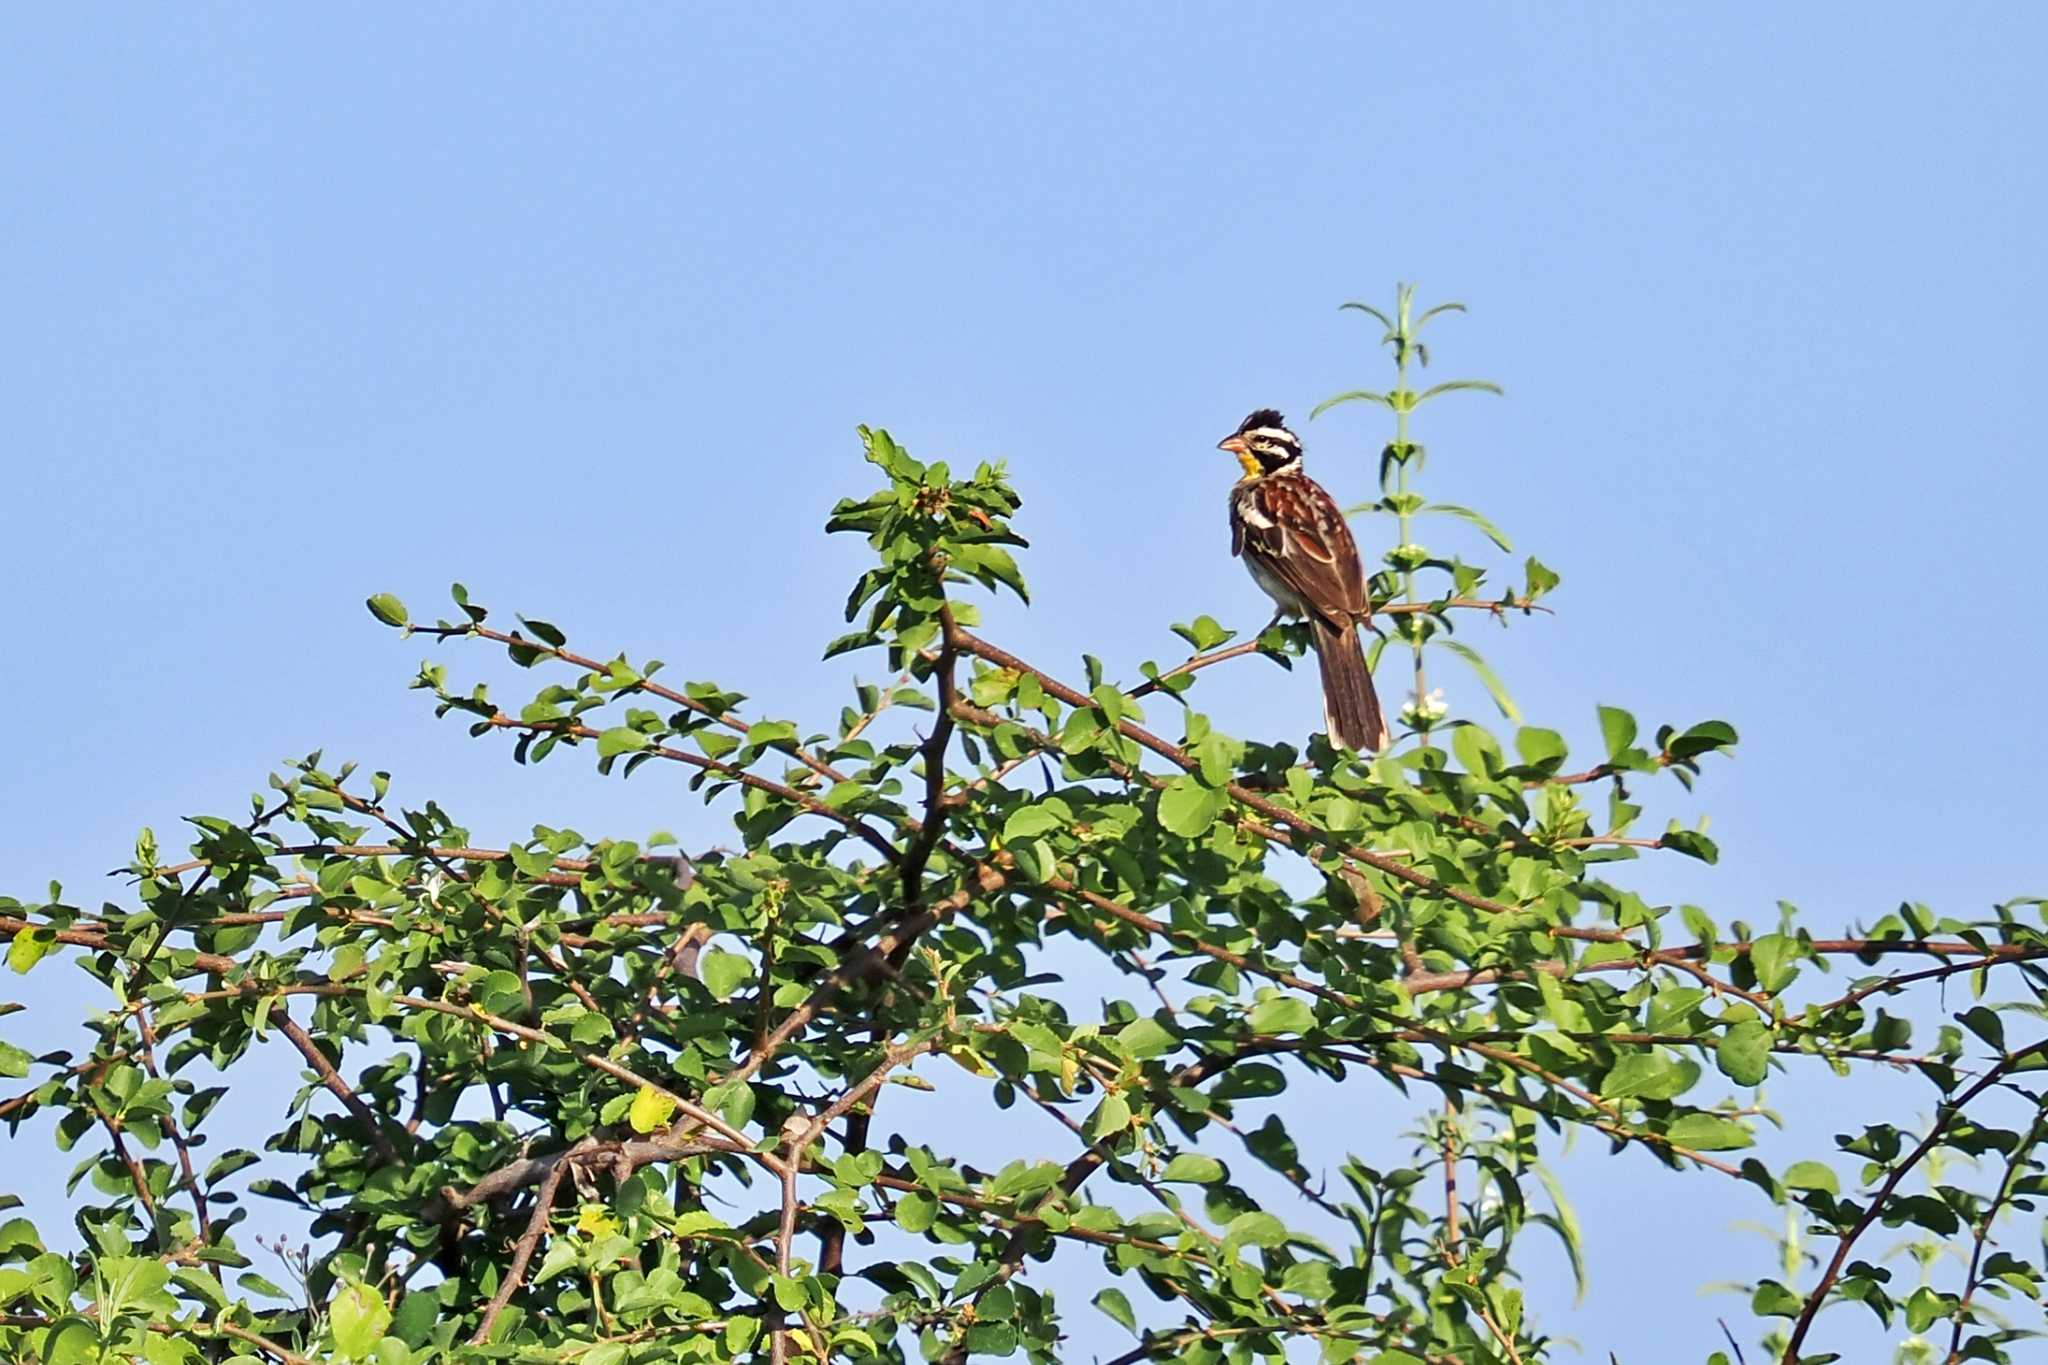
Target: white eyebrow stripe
1276 434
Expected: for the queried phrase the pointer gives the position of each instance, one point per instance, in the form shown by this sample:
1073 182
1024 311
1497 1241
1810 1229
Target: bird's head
1262 444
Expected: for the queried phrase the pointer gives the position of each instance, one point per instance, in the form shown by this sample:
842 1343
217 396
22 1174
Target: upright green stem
1403 340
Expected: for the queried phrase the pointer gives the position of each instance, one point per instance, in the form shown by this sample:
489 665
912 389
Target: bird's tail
1351 708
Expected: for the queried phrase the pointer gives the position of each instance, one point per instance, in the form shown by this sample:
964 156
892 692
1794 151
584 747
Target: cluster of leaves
591 1100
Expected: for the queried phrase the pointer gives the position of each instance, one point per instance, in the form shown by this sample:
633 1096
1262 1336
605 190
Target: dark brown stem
647 685
373 1126
1299 828
2014 1164
785 1233
1450 1145
920 851
522 1252
136 1175
146 1018
261 1343
1950 1112
1237 651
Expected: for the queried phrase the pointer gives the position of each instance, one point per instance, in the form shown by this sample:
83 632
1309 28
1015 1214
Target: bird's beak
1245 459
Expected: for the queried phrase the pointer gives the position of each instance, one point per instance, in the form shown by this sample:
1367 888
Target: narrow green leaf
1382 318
1456 385
1488 679
1466 514
1354 396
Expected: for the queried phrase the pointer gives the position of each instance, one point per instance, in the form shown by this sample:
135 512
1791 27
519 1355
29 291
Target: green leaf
722 972
30 946
1645 1075
72 1341
733 1101
1540 748
1774 958
1188 808
1488 679
651 1110
1028 822
1111 1117
1692 844
359 1316
916 1210
1810 1175
256 1284
1383 319
1744 1051
1113 1302
1146 1038
543 631
1354 396
1451 509
387 609
1204 633
1477 750
1282 1014
1459 386
621 739
1257 1229
1193 1168
1709 1133
1986 1025
500 992
1539 578
1617 730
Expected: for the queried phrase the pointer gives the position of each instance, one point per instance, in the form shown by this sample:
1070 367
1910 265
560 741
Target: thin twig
1951 1111
522 1253
146 1019
372 1125
2014 1164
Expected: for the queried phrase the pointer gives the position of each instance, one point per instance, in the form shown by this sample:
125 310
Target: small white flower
1430 708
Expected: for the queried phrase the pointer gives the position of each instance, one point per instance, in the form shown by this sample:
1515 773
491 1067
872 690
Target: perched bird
1291 535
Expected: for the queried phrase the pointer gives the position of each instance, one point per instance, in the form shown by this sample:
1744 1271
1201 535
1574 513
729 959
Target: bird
1293 538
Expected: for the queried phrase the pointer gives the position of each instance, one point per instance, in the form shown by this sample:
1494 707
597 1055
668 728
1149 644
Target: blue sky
582 307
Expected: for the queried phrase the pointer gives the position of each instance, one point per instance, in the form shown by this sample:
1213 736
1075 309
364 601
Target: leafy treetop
593 1100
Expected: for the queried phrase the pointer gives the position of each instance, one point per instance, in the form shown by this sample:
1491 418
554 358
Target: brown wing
1306 544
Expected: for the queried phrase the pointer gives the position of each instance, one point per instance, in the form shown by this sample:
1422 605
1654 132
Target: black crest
1264 417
